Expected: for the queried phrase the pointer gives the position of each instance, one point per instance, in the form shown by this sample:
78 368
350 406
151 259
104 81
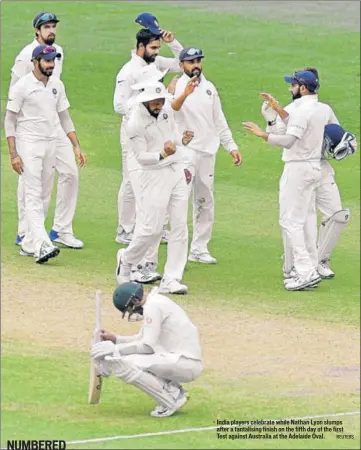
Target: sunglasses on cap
47 17
194 52
47 50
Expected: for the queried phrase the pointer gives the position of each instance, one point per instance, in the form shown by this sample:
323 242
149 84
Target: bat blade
96 380
95 385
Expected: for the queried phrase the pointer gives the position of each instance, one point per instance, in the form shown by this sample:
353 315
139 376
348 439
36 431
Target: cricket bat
96 381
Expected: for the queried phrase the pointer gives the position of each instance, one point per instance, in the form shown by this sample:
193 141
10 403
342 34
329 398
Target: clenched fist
187 137
169 148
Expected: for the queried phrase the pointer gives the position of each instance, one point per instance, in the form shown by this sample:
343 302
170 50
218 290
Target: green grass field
269 354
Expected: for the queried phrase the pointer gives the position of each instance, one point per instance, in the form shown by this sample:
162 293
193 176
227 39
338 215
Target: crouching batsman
165 354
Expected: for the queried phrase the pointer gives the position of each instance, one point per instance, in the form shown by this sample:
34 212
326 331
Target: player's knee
69 177
125 371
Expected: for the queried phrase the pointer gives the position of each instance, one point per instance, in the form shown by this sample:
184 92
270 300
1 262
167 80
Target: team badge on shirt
165 116
209 92
158 90
55 91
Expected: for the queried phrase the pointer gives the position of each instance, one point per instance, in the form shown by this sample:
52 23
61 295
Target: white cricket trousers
126 198
201 165
39 162
151 255
162 190
328 202
297 208
168 366
67 192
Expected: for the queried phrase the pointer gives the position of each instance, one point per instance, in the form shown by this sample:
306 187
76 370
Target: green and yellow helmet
126 297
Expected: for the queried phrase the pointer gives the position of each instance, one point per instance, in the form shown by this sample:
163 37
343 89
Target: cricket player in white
156 147
202 113
67 192
146 53
328 199
37 104
166 352
144 271
302 145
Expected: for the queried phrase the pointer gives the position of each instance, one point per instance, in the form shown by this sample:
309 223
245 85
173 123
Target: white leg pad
145 381
330 231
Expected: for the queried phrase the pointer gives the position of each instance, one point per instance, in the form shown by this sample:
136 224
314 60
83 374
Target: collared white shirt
147 136
125 78
23 64
37 107
202 113
307 122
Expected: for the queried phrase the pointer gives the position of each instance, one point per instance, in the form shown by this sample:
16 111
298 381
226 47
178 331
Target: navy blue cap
46 52
44 17
190 53
148 21
304 78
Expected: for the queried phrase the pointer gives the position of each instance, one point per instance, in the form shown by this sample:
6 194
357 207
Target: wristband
162 155
270 124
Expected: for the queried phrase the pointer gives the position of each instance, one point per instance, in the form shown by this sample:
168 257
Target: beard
195 72
154 113
296 95
148 58
50 40
46 72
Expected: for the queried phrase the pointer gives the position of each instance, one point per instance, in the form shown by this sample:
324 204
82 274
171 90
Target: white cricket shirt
307 122
23 64
167 327
37 107
125 78
147 136
202 113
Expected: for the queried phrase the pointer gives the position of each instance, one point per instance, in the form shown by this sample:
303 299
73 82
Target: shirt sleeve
139 145
297 125
21 67
122 93
172 64
282 140
16 98
333 117
149 335
221 125
63 102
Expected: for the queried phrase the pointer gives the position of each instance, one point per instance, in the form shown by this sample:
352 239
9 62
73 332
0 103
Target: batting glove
102 349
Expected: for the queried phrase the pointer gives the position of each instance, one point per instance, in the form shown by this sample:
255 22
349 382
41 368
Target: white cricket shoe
163 411
324 270
204 258
172 287
298 284
122 271
45 253
123 238
23 252
67 239
145 274
165 235
291 274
